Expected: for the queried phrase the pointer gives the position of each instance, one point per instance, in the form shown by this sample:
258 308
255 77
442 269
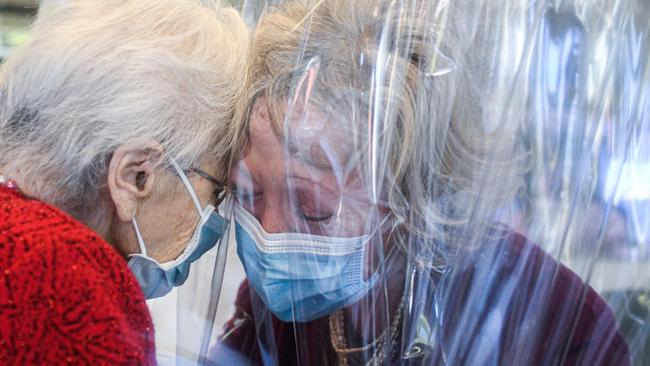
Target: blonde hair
97 73
437 165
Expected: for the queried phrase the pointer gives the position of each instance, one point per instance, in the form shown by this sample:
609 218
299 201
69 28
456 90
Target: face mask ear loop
188 186
143 249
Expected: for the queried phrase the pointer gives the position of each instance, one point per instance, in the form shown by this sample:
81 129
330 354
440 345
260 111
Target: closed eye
311 208
319 218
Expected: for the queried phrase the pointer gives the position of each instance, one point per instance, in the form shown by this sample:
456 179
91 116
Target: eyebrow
299 153
320 184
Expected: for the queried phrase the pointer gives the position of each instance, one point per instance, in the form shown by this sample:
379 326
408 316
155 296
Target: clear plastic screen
443 182
184 319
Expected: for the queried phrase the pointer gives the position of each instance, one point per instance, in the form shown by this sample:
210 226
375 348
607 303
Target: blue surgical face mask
301 277
157 279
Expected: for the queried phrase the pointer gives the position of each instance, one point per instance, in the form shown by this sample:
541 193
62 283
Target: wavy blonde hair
423 85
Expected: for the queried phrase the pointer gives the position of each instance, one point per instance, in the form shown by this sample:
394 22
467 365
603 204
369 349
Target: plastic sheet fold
441 183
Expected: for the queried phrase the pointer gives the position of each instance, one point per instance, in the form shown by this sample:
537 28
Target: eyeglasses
219 192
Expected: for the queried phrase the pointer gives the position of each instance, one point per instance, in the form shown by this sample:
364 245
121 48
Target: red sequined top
66 296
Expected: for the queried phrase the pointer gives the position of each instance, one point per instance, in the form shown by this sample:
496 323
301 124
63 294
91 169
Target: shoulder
37 237
538 304
63 284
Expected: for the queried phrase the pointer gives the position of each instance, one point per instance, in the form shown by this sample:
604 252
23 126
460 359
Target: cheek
176 225
205 191
185 230
350 223
351 218
178 232
360 217
356 214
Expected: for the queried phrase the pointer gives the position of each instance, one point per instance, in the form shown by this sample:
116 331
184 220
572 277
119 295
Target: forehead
261 130
318 139
296 150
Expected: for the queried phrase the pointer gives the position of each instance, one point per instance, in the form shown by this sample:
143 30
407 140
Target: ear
131 175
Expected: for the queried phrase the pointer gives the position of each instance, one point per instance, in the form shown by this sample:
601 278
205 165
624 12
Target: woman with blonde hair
113 137
365 182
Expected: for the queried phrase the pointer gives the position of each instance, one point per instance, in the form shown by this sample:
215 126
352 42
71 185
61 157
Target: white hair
97 73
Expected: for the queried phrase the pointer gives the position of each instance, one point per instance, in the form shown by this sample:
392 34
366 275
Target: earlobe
131 175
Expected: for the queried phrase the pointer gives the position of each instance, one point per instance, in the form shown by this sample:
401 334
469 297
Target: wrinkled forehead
316 133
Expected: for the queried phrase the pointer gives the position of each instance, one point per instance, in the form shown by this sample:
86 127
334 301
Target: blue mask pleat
300 287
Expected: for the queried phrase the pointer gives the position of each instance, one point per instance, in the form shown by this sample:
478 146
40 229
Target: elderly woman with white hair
113 128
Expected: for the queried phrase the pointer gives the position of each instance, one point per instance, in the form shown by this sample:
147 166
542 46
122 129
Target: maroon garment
507 304
66 296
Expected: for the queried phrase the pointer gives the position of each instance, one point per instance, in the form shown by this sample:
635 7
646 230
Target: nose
274 219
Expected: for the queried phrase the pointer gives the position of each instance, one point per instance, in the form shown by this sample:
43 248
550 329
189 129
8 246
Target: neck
102 227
